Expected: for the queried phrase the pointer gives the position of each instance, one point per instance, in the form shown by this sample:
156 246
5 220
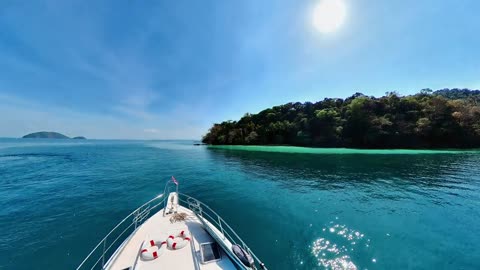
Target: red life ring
152 250
175 243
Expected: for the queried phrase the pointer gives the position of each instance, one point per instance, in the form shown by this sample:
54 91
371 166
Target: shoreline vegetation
316 150
442 119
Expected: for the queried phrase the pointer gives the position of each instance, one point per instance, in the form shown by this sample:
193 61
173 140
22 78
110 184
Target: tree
251 138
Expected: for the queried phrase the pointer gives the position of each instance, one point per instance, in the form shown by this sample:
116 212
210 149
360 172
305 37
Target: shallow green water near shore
331 210
311 150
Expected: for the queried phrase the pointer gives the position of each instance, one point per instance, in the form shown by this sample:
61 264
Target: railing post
221 228
135 219
103 254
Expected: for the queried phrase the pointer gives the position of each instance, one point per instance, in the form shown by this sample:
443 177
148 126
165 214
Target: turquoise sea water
322 210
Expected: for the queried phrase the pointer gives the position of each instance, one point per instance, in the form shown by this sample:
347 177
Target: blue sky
169 69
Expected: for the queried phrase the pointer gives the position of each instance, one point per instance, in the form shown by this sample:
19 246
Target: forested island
447 118
48 135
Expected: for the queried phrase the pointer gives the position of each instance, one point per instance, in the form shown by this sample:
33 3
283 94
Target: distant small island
447 118
79 138
49 135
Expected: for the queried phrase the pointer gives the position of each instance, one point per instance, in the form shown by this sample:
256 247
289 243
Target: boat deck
158 228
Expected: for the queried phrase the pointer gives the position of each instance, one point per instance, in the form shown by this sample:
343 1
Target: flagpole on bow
175 182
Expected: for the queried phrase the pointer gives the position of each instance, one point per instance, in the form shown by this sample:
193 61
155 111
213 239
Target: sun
329 15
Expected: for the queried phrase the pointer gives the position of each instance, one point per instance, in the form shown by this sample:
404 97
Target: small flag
174 181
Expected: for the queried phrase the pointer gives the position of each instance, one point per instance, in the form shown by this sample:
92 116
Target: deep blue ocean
325 210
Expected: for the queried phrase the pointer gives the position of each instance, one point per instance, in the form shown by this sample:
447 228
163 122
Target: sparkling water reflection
338 241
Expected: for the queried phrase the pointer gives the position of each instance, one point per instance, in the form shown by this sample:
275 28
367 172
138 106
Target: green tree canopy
445 118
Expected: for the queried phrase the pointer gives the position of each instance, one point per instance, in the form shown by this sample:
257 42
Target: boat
172 231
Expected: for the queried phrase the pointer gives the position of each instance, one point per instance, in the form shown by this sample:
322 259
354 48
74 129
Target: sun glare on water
329 15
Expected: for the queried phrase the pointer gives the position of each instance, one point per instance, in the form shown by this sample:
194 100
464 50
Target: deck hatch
210 252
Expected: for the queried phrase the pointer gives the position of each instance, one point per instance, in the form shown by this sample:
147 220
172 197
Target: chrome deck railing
105 249
205 212
99 257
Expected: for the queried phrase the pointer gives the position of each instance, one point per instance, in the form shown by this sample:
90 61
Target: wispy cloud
25 116
73 47
151 130
137 104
